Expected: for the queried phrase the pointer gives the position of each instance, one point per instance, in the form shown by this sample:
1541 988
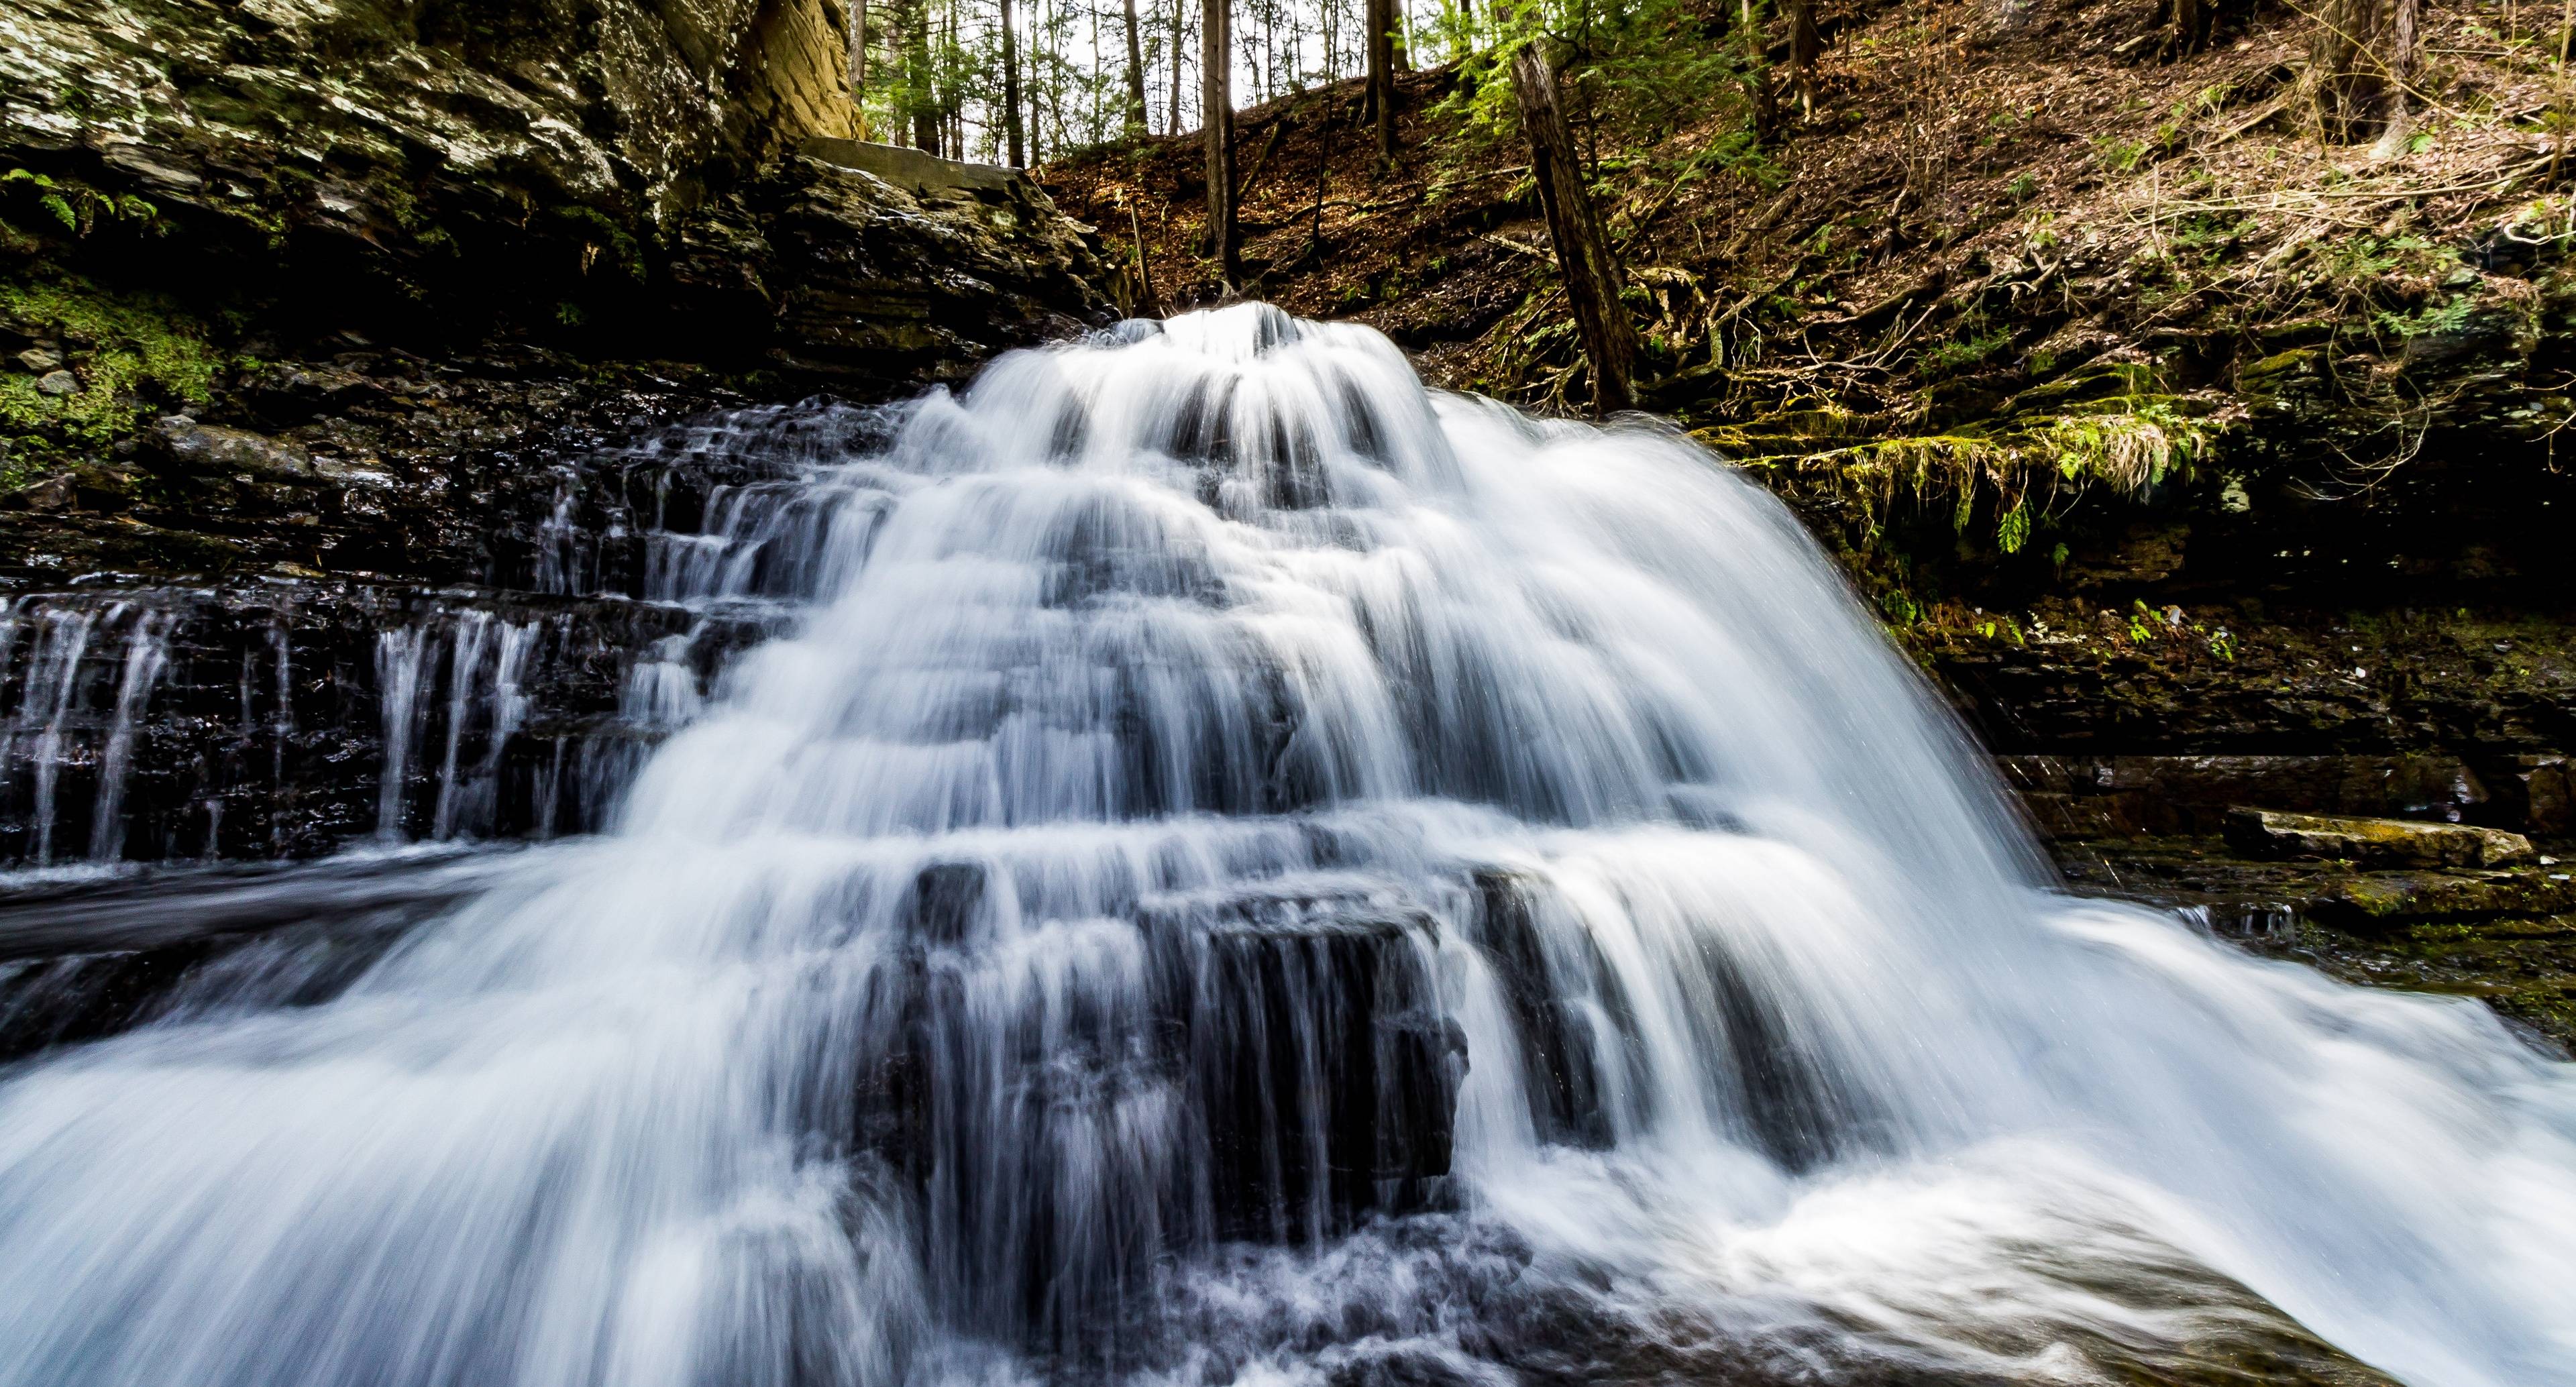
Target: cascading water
1253 872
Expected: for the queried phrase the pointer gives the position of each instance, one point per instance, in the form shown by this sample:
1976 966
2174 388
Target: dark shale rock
448 162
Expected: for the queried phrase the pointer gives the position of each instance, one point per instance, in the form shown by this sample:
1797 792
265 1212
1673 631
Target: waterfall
137 725
1236 868
72 713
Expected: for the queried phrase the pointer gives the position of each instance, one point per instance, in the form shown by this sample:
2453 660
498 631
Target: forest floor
2010 256
2171 439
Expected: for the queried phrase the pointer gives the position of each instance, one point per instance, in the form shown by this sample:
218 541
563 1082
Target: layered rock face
376 389
442 167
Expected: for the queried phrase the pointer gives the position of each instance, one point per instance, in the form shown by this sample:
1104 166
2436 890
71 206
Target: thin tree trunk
2558 143
2193 22
1011 92
1144 263
1135 77
916 79
1216 131
1380 100
1180 26
859 65
1037 80
952 100
2395 121
1805 46
1583 254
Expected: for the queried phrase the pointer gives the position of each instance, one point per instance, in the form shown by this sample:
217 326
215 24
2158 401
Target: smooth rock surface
2278 834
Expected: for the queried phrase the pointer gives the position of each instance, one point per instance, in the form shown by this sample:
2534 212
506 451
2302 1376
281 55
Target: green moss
144 354
2126 444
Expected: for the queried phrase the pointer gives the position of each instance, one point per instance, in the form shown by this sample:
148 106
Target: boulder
2272 833
213 448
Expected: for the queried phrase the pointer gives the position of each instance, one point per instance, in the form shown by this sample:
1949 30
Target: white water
1045 962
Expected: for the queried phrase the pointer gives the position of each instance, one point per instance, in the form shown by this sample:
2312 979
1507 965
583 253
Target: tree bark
2193 23
1216 132
1180 18
952 102
1036 85
1135 77
1380 100
1805 46
859 65
1011 131
916 78
1583 254
2403 44
2361 61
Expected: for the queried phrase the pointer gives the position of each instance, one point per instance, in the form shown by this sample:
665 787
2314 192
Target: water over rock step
290 719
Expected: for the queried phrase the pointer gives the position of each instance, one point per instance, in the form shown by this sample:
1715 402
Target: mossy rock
131 356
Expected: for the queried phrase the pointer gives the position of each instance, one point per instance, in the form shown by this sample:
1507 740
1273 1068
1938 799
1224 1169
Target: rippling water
1249 871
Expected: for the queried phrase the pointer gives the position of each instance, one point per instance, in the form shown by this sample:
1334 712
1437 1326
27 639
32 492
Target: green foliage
2013 530
2121 156
1634 70
2439 317
1952 357
76 207
143 354
2361 262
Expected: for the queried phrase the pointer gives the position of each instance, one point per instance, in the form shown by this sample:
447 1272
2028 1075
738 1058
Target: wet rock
943 902
58 383
2087 797
40 360
54 493
290 719
1557 1035
1270 1011
213 448
2389 898
2273 833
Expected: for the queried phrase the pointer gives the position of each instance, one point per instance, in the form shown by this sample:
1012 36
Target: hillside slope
2204 463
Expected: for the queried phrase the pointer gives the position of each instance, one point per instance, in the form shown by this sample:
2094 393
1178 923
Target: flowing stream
1246 870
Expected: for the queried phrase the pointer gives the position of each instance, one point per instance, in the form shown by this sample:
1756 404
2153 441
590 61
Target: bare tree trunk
1583 254
1144 262
916 78
952 101
1216 131
1135 77
859 64
2362 57
1036 84
1805 46
2193 21
1181 14
1012 146
2403 42
1381 74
